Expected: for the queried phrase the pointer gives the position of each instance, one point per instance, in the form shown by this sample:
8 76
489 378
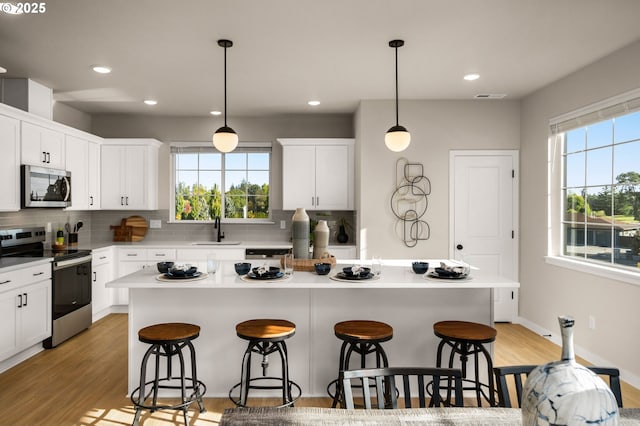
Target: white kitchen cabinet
317 174
10 163
343 252
129 174
25 308
198 256
42 146
102 270
131 260
83 161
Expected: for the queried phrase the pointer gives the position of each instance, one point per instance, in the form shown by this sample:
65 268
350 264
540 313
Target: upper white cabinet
10 163
42 146
317 174
129 174
83 161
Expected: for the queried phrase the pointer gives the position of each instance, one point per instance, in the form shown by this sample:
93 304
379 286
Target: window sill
225 222
630 277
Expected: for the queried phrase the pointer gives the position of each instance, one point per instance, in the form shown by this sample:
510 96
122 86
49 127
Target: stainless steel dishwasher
265 253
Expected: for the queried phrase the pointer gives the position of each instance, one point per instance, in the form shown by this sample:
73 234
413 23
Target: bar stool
468 339
168 340
265 336
362 337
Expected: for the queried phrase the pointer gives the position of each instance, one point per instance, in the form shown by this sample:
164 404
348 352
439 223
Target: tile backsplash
97 225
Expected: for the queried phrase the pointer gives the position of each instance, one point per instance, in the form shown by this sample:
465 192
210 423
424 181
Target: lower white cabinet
102 272
131 260
25 308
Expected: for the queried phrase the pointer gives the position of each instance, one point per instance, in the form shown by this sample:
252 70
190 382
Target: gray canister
300 231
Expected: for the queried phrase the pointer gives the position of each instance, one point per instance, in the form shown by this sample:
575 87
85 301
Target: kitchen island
410 303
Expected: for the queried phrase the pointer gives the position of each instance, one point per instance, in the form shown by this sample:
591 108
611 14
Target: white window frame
615 106
242 147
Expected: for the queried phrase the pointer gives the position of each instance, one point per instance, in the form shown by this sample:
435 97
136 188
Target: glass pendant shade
397 138
225 139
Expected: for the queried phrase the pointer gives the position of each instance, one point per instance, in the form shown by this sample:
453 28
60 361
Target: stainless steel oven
71 297
44 187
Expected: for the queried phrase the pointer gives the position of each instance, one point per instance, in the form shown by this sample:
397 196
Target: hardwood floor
83 381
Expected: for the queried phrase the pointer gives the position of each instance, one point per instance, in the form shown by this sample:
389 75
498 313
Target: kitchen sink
215 243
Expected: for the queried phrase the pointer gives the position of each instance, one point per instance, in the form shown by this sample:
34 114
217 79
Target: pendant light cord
225 86
397 119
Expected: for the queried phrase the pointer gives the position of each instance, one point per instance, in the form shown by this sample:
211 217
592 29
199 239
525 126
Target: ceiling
287 52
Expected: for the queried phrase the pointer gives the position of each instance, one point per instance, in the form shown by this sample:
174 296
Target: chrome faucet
217 225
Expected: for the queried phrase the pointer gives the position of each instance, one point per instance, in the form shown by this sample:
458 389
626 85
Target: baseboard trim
593 358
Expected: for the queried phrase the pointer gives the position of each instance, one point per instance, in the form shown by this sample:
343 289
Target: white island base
406 301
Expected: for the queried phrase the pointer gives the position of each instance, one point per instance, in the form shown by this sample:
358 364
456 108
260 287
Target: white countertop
392 277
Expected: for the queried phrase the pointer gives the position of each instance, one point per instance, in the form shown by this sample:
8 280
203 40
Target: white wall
548 291
436 128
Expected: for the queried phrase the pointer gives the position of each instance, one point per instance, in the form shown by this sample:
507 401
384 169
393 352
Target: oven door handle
71 262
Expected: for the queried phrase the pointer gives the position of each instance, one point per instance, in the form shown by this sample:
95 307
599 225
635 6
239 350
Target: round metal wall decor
409 202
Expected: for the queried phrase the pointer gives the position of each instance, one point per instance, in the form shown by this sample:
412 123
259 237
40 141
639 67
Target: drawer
25 276
133 254
160 255
101 257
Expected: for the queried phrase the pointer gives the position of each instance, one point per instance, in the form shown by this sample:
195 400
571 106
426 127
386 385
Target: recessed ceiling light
216 113
471 77
101 69
314 103
2 70
150 102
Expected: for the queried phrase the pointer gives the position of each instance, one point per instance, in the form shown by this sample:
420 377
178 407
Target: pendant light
397 138
225 139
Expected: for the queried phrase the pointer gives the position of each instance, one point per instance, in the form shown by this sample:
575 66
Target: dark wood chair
424 381
519 374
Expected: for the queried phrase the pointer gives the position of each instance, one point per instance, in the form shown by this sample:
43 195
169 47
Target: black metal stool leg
245 374
194 377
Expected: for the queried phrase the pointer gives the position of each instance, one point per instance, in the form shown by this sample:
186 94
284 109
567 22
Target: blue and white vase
567 393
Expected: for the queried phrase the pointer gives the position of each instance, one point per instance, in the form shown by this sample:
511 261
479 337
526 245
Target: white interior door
484 213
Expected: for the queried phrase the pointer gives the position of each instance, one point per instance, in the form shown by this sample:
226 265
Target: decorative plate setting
189 277
263 277
450 277
341 276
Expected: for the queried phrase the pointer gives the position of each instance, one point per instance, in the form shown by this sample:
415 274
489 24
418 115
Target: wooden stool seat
363 330
465 331
168 332
265 329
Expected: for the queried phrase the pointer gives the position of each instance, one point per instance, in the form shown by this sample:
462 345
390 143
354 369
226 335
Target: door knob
459 246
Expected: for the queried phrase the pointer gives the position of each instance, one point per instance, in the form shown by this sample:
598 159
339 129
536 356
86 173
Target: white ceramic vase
567 393
320 239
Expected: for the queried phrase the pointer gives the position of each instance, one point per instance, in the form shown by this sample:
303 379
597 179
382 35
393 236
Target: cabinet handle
90 200
5 282
312 199
132 254
38 273
317 201
102 257
44 157
20 301
25 299
160 254
127 200
95 276
48 158
122 201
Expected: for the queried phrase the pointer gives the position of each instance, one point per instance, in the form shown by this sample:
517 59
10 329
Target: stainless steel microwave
44 187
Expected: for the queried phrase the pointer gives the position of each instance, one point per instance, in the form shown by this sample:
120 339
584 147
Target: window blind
614 107
199 147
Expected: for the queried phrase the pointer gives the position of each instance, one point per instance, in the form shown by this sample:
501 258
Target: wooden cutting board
138 226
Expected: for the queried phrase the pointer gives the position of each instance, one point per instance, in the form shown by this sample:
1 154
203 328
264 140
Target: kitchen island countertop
392 277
